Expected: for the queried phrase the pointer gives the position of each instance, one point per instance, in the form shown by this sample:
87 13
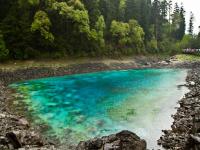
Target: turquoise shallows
79 107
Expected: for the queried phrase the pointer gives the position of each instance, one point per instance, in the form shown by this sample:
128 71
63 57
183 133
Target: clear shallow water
79 107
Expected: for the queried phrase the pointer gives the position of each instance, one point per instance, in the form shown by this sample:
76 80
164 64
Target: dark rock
124 140
147 64
3 140
168 60
12 138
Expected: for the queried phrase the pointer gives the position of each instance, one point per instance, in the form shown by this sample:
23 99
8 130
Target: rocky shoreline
16 132
185 132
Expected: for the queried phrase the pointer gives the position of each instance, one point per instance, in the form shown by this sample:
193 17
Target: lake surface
79 107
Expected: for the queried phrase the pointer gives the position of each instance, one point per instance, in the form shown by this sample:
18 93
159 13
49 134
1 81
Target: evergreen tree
93 10
144 17
169 10
131 10
182 23
199 33
122 7
164 9
176 20
110 10
156 19
169 14
191 24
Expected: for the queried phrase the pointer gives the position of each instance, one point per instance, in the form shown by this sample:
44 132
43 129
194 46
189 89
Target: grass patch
188 57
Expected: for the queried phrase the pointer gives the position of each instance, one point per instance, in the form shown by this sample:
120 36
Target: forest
32 29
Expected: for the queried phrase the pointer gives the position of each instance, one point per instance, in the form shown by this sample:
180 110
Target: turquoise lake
83 106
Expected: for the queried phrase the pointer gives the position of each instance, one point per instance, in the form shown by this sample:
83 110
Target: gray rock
196 138
124 140
23 122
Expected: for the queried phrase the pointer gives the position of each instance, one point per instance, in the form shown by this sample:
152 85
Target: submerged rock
124 140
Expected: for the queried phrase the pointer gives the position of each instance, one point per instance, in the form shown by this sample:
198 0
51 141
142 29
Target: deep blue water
79 107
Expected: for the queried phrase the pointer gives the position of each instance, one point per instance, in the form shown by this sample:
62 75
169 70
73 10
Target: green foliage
92 28
178 22
136 35
26 3
186 42
34 2
120 32
100 28
42 24
152 46
128 34
93 10
110 10
185 57
131 10
4 52
75 12
122 7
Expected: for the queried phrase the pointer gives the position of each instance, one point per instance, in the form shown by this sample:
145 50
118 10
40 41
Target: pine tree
176 20
109 10
182 23
93 10
191 24
164 9
156 18
199 33
131 10
144 17
169 14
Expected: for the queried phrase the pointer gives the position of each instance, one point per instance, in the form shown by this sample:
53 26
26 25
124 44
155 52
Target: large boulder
124 140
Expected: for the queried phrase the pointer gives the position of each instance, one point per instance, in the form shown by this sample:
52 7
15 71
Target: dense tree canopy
89 28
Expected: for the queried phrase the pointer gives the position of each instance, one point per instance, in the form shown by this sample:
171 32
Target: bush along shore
16 132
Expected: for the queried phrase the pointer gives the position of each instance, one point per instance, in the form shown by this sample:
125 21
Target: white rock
2 115
192 83
23 122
